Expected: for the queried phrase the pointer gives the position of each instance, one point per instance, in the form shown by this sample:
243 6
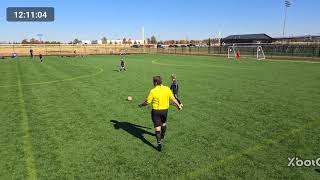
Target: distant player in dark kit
175 88
122 65
40 57
31 53
160 97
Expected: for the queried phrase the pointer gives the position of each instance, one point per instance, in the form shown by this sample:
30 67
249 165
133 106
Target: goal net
248 51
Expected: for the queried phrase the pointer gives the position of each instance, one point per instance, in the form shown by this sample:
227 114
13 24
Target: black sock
163 131
158 137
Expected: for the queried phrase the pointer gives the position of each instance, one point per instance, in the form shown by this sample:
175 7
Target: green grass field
68 118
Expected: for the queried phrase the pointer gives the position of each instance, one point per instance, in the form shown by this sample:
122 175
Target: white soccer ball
129 98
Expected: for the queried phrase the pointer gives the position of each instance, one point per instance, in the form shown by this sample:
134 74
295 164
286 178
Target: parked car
160 46
135 46
191 45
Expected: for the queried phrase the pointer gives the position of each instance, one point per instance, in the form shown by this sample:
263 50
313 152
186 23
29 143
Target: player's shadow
317 170
135 130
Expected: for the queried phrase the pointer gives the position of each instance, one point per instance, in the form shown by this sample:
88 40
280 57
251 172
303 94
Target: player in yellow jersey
160 97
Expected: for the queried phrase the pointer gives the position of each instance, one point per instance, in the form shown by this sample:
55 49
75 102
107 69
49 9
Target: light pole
287 4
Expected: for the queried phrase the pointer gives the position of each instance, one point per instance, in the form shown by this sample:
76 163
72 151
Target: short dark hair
157 80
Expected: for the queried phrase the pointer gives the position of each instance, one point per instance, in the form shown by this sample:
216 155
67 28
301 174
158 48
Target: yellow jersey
160 97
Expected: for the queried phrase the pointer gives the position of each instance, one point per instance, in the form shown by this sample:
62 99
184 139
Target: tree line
151 40
36 41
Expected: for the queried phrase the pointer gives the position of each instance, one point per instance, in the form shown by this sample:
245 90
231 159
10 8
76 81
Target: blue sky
166 19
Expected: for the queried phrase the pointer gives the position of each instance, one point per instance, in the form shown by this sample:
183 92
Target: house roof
248 37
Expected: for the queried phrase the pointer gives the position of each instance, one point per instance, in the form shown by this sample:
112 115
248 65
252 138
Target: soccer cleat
159 147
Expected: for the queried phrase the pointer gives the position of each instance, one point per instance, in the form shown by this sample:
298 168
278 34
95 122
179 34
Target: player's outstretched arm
177 104
145 103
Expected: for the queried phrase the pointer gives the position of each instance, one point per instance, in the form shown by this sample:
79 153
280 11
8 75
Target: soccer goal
247 51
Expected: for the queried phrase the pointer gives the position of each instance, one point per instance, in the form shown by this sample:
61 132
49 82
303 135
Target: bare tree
76 41
104 40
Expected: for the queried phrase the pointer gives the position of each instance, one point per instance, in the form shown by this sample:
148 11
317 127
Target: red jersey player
238 54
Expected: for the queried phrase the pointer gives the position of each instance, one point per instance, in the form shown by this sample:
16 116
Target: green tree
153 40
124 41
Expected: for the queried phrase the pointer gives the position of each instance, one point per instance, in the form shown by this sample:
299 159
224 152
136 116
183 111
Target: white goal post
248 51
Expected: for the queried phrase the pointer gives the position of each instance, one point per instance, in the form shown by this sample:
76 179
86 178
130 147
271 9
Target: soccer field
68 118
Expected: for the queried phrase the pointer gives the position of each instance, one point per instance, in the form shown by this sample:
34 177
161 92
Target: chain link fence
274 51
270 51
65 49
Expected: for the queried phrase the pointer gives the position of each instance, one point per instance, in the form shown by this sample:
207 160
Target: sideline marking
57 81
250 150
27 147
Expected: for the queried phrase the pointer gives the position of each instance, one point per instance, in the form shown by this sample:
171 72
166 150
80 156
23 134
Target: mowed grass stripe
64 113
27 146
58 108
12 163
156 61
99 71
251 150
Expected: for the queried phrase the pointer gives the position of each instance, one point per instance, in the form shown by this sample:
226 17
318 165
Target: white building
114 41
140 42
86 41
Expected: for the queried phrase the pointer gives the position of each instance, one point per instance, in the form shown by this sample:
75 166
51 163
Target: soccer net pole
231 52
260 51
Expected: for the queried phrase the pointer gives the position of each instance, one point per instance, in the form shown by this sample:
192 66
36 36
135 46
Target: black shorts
159 116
